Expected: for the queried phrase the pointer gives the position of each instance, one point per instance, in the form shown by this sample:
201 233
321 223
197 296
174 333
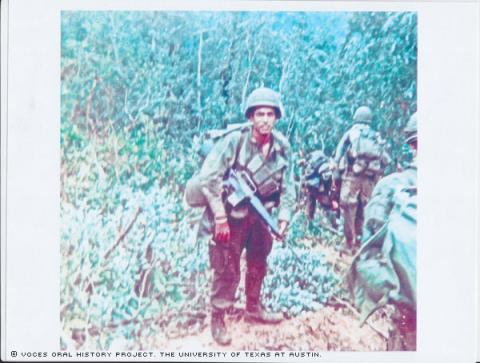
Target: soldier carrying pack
366 152
362 149
384 270
319 184
245 175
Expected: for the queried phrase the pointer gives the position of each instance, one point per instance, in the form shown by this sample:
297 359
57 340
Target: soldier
389 243
263 154
381 203
320 187
360 160
378 212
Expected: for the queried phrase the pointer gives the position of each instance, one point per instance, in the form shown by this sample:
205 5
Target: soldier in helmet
360 159
379 207
388 212
264 155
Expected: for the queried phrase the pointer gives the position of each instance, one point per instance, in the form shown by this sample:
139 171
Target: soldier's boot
254 311
257 314
219 329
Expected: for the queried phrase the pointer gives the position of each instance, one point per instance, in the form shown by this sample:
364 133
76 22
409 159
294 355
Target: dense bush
299 280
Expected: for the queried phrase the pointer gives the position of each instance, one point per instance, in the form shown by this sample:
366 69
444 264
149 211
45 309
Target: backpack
315 166
203 145
384 269
205 142
366 152
318 173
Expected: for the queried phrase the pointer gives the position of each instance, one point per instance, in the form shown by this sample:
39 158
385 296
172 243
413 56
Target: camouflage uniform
355 189
246 229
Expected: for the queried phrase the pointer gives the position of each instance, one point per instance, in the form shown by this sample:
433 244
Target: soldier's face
263 119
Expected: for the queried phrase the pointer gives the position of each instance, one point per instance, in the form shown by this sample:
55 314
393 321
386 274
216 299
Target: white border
448 110
3 148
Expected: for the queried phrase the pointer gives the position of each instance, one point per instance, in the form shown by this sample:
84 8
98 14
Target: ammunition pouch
268 188
362 166
261 180
374 167
266 180
359 166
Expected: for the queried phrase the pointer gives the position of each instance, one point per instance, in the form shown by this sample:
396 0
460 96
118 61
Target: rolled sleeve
342 147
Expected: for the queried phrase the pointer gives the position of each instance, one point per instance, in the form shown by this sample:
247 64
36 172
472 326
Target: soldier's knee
257 268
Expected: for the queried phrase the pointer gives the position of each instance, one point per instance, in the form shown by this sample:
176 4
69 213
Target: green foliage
138 86
300 280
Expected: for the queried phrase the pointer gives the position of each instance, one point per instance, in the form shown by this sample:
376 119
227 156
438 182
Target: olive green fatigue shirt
222 157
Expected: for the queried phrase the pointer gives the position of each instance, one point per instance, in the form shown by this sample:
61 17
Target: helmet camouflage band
362 114
264 96
410 130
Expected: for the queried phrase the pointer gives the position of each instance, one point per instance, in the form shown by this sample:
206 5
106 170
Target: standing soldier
360 158
381 202
389 244
262 157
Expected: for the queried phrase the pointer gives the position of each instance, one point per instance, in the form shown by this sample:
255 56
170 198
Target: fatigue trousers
354 195
253 235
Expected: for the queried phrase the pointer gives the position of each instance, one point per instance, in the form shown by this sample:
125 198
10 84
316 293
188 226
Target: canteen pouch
193 193
359 166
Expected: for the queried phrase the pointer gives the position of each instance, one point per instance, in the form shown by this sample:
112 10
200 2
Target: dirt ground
333 328
327 330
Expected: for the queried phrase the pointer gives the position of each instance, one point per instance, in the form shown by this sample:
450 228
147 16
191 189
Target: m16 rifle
243 189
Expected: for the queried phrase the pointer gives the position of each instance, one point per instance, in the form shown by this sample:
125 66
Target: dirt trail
333 328
326 330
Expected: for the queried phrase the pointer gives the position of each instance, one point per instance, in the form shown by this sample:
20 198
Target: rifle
244 189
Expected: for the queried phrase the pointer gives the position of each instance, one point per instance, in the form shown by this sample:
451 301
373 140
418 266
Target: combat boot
256 314
218 327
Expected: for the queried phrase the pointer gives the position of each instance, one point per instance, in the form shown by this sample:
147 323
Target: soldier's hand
222 232
334 205
282 228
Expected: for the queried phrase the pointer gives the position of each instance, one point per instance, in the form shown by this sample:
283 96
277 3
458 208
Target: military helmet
410 129
362 114
264 96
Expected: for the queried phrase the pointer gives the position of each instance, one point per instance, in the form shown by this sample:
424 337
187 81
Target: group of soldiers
259 158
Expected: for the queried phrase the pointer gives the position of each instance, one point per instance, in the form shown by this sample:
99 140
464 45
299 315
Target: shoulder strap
240 143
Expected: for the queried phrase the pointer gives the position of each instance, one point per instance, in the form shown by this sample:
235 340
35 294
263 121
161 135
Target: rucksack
194 196
316 165
366 151
384 269
204 143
